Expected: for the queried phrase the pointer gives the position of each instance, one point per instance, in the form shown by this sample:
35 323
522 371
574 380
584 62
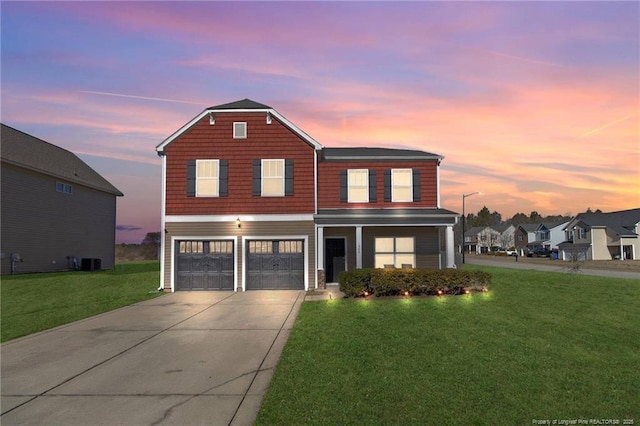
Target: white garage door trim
177 238
247 238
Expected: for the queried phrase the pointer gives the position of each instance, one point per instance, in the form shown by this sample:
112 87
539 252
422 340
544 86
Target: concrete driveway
185 358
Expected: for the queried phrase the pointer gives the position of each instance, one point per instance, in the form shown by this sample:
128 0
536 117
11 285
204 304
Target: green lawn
539 345
36 302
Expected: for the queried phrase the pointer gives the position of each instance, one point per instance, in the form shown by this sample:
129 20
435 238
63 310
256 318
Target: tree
535 217
519 218
152 238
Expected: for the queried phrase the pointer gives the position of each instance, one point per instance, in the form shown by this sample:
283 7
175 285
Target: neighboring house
482 239
524 234
507 233
533 236
57 212
602 236
251 201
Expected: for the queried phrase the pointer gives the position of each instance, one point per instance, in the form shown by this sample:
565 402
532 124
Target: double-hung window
272 178
358 185
395 252
402 185
207 178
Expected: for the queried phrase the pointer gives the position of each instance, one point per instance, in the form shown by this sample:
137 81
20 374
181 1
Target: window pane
273 187
404 245
402 177
359 177
404 259
384 259
207 187
384 245
358 195
402 194
207 168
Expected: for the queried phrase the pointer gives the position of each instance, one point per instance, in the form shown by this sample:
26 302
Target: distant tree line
148 249
485 217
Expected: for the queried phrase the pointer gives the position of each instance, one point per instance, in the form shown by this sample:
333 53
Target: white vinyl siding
401 185
272 178
207 178
358 185
395 252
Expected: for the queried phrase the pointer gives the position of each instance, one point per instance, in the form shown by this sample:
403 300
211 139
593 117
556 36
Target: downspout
162 220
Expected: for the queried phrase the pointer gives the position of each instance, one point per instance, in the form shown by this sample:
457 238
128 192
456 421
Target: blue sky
536 104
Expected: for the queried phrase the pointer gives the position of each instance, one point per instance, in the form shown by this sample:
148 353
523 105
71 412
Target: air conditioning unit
91 264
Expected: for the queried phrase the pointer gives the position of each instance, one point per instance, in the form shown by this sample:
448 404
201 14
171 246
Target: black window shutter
373 188
343 186
416 185
257 178
387 185
191 178
224 178
288 177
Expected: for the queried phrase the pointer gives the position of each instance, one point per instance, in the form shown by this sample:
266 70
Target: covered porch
349 239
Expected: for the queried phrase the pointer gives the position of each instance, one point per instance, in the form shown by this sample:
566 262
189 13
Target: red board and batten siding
329 183
264 141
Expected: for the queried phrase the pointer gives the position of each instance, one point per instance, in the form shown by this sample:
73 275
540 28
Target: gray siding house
57 213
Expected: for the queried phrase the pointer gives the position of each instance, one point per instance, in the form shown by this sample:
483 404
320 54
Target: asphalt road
553 266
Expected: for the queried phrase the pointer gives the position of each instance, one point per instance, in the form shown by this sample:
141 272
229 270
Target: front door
335 258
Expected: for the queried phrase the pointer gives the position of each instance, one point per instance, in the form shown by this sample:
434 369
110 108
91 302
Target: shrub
355 283
393 282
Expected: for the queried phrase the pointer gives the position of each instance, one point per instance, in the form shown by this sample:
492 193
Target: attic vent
240 130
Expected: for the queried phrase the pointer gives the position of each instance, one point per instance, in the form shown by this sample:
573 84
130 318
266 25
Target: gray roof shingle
361 153
622 222
29 152
242 104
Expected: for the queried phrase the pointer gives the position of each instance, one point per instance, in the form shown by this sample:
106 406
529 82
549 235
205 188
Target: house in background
507 233
251 201
482 239
602 236
57 212
534 236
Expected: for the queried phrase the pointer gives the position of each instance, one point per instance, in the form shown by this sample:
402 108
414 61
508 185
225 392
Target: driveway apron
185 358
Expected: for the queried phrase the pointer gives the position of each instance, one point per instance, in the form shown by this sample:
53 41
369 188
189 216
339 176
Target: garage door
204 265
275 265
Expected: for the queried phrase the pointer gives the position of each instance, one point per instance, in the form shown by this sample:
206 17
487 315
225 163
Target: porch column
320 247
450 263
358 247
621 250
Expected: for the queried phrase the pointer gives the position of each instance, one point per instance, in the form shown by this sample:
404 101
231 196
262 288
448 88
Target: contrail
120 95
590 132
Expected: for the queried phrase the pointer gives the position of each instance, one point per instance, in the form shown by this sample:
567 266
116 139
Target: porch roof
415 217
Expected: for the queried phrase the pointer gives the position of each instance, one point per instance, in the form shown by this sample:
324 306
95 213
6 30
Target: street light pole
464 196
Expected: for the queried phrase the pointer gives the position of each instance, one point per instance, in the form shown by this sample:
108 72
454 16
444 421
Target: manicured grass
36 302
539 345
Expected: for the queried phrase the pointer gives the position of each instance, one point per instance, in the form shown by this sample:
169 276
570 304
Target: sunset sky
535 104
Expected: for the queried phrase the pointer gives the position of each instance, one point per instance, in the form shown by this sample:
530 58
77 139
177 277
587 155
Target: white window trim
393 186
349 171
235 134
216 178
262 177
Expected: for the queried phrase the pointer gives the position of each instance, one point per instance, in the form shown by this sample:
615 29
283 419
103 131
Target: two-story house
251 201
533 236
602 236
482 239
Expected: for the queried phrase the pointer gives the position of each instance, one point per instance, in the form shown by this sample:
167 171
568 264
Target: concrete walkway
186 358
552 266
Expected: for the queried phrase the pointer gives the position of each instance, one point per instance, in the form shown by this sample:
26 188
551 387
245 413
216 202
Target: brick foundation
322 281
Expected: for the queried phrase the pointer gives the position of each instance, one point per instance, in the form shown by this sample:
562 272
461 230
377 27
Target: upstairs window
207 178
64 188
239 130
401 185
272 178
358 184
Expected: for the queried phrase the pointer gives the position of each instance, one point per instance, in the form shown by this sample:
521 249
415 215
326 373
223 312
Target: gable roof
621 222
244 105
529 227
336 154
29 152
